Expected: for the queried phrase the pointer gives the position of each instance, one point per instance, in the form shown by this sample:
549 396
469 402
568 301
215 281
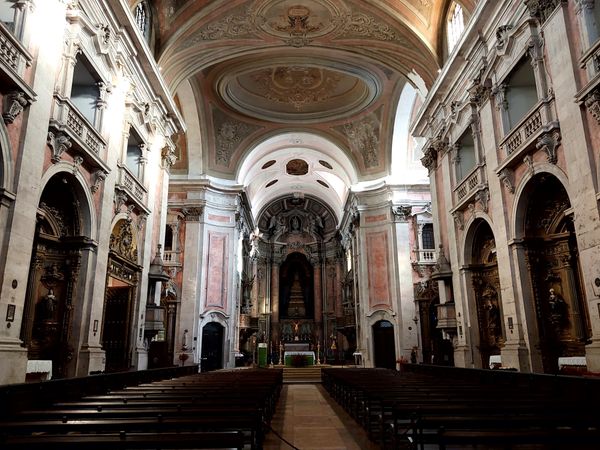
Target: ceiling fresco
254 69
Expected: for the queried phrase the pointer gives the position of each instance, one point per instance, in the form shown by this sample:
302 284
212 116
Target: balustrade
426 256
131 185
12 53
522 137
469 185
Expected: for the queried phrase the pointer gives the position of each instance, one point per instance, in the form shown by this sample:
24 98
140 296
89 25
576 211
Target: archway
485 289
553 263
384 347
52 298
212 347
296 298
121 292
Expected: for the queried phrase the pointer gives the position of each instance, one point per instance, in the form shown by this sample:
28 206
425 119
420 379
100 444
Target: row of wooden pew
224 409
436 409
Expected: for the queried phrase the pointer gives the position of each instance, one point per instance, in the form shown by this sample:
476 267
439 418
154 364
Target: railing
426 256
522 136
12 53
131 184
591 60
66 115
468 186
171 257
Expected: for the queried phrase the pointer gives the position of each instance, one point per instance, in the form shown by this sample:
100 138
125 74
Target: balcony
87 140
591 60
541 119
171 258
469 186
14 59
132 186
427 256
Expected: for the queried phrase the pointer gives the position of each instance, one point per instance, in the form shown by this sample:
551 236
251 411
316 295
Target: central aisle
308 418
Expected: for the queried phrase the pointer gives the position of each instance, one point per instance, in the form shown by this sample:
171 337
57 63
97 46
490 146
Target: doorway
212 347
115 331
383 345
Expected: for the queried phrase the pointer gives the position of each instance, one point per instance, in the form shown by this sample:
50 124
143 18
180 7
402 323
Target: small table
287 357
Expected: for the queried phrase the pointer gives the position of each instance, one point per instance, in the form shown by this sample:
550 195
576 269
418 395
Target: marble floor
309 419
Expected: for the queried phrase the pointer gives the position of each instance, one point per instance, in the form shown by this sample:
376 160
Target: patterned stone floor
309 419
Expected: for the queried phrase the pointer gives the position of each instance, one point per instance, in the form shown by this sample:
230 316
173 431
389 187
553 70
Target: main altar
292 350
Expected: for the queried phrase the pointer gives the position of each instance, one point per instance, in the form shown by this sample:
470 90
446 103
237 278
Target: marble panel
216 271
378 267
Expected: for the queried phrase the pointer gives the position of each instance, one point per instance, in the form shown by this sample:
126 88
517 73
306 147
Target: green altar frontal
288 357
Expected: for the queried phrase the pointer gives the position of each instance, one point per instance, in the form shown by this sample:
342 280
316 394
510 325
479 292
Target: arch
296 293
6 174
384 344
551 259
83 195
467 239
523 190
331 171
483 288
56 280
213 339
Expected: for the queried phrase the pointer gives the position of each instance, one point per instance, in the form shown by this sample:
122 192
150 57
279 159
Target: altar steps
296 375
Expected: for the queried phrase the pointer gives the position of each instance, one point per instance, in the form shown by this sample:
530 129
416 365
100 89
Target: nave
420 407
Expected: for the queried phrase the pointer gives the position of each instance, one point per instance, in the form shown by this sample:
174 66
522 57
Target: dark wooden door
383 345
115 331
212 347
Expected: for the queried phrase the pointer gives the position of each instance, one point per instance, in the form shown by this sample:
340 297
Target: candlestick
318 353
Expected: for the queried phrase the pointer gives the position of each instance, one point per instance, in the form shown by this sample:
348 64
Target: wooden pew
234 406
466 408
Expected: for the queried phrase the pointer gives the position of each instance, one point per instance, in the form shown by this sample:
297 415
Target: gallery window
455 25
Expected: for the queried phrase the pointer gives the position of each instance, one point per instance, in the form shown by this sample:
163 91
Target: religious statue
492 316
254 240
295 224
558 309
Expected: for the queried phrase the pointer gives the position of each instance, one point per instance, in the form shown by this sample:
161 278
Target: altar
288 356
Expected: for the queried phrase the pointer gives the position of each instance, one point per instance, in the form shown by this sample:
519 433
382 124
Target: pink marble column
275 303
318 294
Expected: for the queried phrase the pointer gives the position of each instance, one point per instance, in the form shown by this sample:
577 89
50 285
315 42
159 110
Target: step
294 375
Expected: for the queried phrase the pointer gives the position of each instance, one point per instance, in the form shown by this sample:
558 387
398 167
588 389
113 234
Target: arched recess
384 347
296 293
6 195
122 280
545 222
5 159
55 289
213 335
484 290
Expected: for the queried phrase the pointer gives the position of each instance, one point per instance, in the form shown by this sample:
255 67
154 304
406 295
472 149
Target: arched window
455 25
427 237
142 19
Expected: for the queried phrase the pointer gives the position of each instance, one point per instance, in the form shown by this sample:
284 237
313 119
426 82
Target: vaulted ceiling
315 80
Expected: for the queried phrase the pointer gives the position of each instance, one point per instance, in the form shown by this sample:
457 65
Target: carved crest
122 241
